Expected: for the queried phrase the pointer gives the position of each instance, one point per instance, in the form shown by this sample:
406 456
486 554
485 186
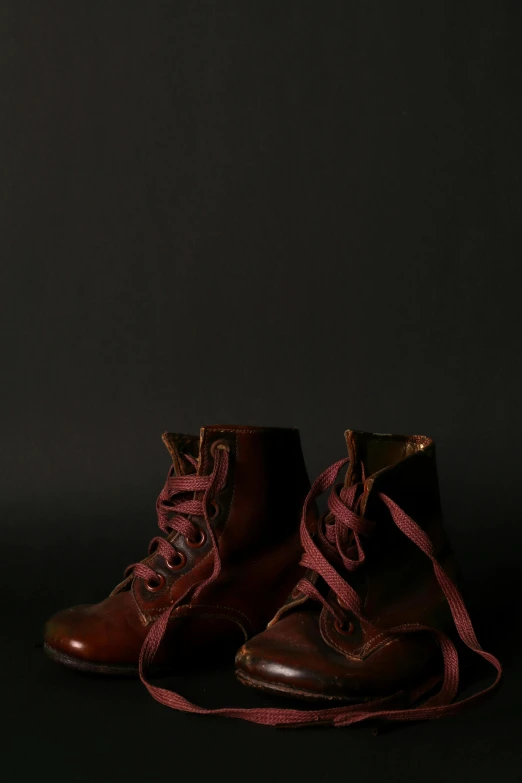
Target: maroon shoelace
173 516
345 524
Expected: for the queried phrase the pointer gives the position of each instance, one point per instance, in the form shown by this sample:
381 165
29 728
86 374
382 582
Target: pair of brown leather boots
364 618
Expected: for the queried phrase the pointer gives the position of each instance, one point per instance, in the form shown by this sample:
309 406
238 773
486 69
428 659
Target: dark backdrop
288 213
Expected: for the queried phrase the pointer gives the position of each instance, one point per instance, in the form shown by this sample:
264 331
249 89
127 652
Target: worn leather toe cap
291 657
106 633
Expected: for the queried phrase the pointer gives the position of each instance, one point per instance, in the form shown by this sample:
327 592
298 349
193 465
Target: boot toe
106 634
291 657
65 633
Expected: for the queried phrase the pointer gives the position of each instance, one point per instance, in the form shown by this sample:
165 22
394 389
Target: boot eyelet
296 593
218 444
179 562
157 584
199 541
346 629
341 603
215 510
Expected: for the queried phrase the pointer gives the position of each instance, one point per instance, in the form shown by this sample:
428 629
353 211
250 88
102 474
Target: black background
287 213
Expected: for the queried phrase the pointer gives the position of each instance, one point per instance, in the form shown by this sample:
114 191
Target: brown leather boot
371 623
230 509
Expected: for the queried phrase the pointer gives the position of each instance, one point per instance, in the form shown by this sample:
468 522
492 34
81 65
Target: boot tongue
353 472
372 452
178 445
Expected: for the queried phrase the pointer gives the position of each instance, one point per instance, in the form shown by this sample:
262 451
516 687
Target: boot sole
123 670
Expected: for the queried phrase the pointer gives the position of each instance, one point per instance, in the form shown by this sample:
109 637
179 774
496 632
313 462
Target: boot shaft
400 466
255 519
266 485
397 583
